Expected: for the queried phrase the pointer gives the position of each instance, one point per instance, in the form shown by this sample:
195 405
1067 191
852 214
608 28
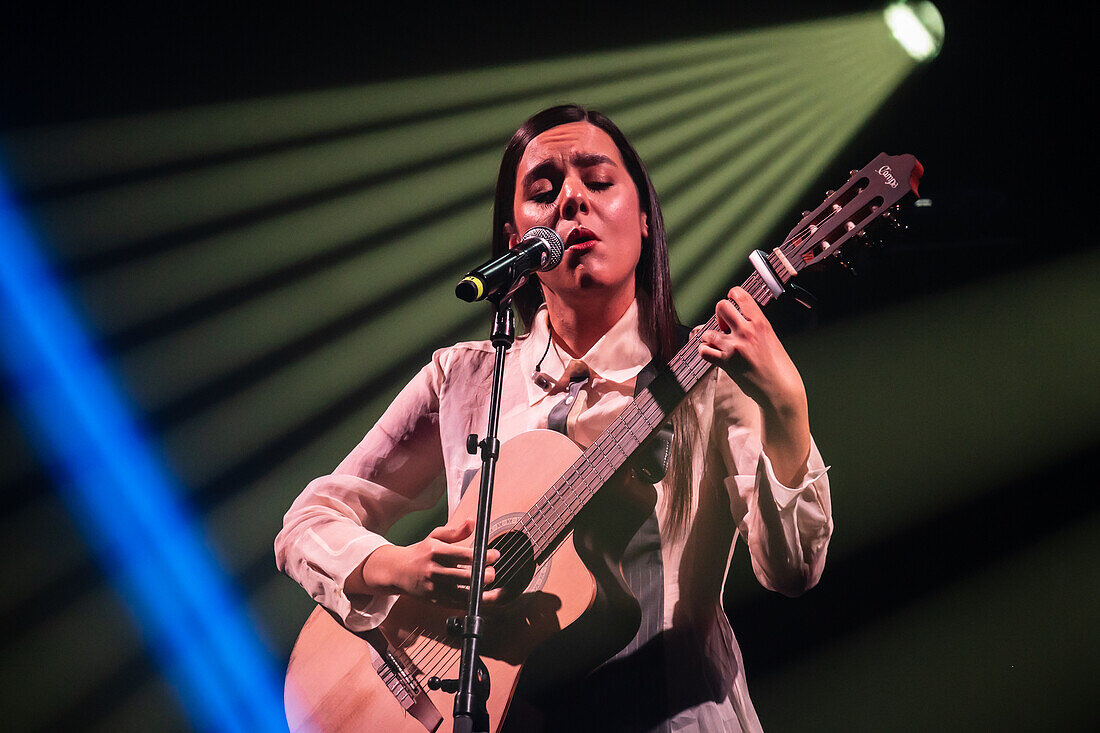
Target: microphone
540 249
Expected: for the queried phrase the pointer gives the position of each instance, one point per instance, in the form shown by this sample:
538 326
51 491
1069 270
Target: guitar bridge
398 672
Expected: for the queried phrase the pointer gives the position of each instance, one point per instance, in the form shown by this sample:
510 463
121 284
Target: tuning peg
829 193
805 214
852 172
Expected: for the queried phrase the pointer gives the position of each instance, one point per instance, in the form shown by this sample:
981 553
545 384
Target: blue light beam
119 491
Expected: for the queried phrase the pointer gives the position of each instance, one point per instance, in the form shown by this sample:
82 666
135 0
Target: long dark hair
657 318
652 281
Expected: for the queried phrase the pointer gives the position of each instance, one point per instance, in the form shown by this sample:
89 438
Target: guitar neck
550 517
868 194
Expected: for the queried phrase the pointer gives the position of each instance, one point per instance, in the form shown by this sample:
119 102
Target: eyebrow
581 160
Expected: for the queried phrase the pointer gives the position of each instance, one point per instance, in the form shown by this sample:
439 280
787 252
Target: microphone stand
470 714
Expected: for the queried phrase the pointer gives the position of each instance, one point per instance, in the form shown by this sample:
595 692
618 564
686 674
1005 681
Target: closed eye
542 191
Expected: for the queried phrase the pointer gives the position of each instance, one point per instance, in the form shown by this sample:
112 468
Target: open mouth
580 238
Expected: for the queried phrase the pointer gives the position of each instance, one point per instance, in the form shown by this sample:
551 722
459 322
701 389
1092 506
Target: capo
766 273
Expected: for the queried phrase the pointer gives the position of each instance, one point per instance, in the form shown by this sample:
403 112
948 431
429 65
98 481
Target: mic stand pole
470 714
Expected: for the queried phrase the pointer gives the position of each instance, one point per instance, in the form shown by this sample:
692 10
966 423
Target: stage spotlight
191 615
219 255
917 26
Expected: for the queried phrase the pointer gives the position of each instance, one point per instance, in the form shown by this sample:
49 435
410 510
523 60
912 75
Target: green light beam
88 149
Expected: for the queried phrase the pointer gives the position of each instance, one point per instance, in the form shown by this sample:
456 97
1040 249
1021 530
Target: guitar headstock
868 194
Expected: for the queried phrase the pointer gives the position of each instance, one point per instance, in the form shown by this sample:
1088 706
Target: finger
719 341
453 533
712 355
461 575
452 575
457 556
750 309
709 355
729 315
452 556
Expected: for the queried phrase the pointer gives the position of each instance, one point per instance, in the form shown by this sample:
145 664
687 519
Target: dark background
996 120
993 119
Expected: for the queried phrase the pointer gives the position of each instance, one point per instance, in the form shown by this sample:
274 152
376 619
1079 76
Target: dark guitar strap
637 672
632 683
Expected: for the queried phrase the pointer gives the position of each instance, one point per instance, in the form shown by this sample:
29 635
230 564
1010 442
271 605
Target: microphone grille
555 247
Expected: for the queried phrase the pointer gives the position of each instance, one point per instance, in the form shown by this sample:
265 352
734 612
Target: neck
580 320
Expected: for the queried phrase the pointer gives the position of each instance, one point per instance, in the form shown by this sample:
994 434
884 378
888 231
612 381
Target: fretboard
550 517
867 195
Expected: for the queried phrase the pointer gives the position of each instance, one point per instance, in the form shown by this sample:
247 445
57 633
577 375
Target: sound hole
516 566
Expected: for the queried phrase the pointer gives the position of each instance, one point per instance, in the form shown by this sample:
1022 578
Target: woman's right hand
436 569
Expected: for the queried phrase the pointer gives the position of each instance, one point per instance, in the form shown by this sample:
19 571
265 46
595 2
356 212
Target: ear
645 225
510 235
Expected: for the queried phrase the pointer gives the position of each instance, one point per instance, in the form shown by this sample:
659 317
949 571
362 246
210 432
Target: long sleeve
787 529
338 520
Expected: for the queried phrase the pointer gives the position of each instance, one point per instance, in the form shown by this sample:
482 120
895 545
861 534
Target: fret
868 194
551 516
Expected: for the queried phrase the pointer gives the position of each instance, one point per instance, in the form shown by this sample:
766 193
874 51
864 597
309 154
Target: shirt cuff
359 612
785 495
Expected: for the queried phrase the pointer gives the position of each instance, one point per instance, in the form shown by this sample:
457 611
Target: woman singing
737 460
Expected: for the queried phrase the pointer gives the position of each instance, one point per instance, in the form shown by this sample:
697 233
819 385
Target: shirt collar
617 357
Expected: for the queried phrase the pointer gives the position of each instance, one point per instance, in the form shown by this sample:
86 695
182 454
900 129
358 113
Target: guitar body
559 624
569 609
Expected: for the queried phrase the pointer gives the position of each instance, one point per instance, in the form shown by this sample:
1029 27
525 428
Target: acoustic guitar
567 608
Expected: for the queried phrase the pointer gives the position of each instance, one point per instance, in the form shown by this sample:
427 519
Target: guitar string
686 360
614 435
418 655
408 647
876 212
617 431
389 673
686 363
621 427
432 662
426 657
535 522
439 655
585 486
582 478
421 658
759 292
443 656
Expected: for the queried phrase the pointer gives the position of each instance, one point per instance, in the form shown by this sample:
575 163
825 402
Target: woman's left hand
748 350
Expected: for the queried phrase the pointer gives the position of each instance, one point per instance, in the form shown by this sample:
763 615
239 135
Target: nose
574 197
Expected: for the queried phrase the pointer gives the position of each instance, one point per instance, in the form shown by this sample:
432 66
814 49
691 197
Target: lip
580 239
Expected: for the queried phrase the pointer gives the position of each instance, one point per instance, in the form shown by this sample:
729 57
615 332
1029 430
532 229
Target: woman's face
572 179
